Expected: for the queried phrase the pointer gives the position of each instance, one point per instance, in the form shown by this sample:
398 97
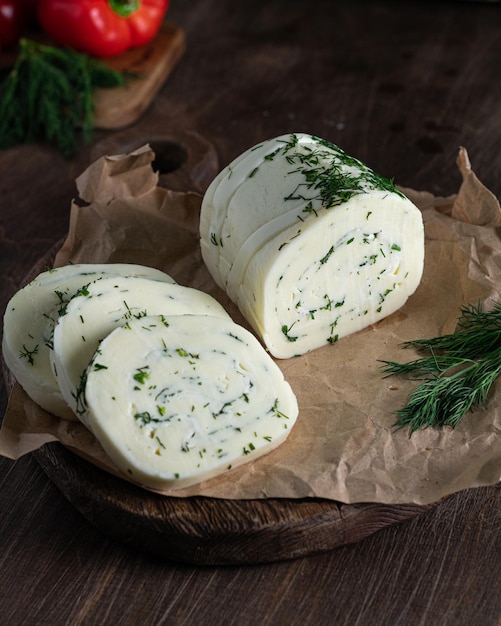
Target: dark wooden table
401 85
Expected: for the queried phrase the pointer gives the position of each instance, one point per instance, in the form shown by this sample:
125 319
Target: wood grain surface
147 68
400 85
207 531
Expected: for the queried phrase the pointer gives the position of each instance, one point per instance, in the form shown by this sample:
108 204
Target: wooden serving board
208 531
148 66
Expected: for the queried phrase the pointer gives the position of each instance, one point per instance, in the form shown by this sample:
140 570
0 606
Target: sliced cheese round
179 399
105 305
29 322
310 243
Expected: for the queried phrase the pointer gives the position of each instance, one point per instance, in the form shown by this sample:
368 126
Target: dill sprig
457 372
334 175
48 96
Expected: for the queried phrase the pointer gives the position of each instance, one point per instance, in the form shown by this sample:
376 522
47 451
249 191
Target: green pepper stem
124 8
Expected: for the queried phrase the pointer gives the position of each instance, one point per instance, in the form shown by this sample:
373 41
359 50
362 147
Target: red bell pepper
101 28
15 16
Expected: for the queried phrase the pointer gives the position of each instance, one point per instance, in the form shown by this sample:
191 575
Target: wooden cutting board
148 67
208 531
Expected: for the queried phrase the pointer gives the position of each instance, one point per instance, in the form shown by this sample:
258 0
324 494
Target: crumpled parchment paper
343 446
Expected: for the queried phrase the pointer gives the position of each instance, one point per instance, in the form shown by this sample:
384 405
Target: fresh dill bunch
457 372
48 96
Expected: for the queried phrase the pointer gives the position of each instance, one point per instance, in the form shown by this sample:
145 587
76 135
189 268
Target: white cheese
179 399
29 325
106 305
218 197
309 242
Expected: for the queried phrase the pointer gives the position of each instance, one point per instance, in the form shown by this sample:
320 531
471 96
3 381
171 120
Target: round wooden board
200 530
209 531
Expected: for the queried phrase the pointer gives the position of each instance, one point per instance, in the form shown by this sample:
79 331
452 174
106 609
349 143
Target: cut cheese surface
309 242
29 322
105 305
176 400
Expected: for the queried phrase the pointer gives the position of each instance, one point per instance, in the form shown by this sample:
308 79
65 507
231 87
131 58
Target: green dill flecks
328 303
236 337
325 258
272 155
213 239
222 410
83 292
64 298
141 375
184 353
164 321
79 395
330 173
99 366
396 247
275 410
309 209
128 315
250 447
286 331
253 172
28 354
145 417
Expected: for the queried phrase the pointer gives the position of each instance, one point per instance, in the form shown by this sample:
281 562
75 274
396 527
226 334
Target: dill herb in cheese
309 242
31 315
181 402
105 305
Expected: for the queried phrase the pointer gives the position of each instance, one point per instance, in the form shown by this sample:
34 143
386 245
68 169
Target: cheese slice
218 197
175 400
29 322
310 243
105 305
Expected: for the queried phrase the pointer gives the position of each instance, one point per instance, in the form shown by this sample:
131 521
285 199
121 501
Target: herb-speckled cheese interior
179 399
105 305
29 322
309 242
